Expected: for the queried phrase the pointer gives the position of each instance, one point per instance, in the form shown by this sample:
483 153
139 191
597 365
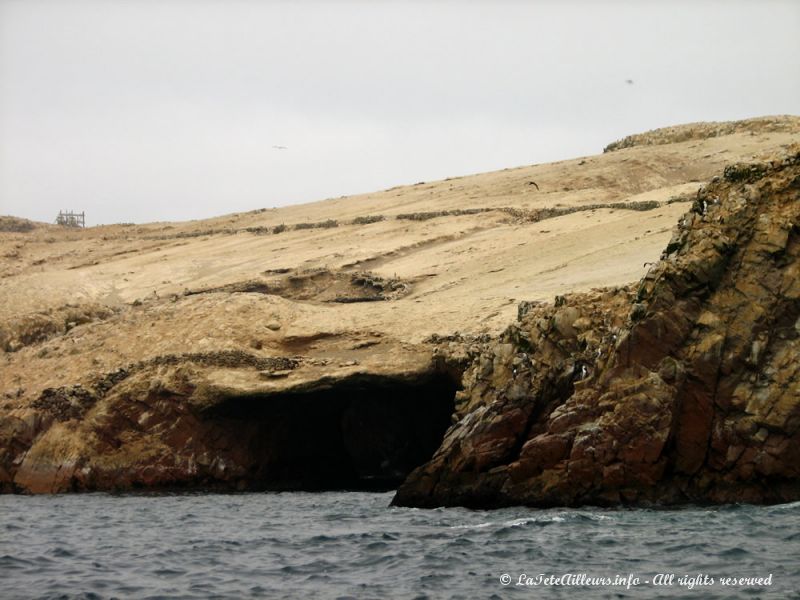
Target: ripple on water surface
351 544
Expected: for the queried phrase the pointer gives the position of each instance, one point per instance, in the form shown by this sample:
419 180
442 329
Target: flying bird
629 81
280 147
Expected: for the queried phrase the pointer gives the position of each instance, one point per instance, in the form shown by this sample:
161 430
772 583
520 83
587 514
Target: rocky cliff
321 346
683 388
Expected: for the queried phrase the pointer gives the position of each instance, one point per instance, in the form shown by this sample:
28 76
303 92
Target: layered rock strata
685 388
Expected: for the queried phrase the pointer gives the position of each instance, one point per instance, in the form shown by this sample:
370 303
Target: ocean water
353 545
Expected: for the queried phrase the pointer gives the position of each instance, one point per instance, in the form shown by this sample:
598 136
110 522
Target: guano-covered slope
321 346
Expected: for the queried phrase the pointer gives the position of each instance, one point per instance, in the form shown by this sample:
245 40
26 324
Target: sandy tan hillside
292 298
462 273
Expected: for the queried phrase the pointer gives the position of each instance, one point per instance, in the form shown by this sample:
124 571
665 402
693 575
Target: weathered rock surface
321 345
683 388
220 420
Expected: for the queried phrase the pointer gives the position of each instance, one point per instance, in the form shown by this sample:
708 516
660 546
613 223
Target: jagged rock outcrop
24 330
701 131
685 388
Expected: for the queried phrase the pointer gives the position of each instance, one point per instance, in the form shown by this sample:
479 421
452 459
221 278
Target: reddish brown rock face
686 389
363 433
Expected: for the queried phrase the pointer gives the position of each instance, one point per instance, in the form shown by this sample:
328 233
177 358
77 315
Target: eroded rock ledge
685 388
165 424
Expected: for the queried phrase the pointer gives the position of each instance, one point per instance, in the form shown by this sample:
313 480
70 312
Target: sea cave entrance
363 433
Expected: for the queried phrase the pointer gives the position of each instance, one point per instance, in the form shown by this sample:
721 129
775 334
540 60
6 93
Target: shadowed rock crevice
317 285
360 434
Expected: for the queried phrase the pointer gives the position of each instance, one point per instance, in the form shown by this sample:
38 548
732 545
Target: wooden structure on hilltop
71 219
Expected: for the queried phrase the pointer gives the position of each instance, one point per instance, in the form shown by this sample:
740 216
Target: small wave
462 541
733 552
607 542
699 548
376 546
81 596
317 566
537 520
12 562
787 506
166 572
519 522
476 526
590 517
214 542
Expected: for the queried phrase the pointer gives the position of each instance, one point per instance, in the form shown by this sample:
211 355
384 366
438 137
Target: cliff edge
683 388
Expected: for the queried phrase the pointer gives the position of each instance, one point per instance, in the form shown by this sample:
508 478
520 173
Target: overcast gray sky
171 110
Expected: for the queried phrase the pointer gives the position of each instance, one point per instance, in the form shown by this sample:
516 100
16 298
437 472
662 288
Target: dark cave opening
365 433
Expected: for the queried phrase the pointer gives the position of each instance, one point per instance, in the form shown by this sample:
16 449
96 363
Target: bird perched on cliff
580 372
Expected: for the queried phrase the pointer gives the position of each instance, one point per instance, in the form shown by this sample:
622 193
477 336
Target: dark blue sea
353 545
